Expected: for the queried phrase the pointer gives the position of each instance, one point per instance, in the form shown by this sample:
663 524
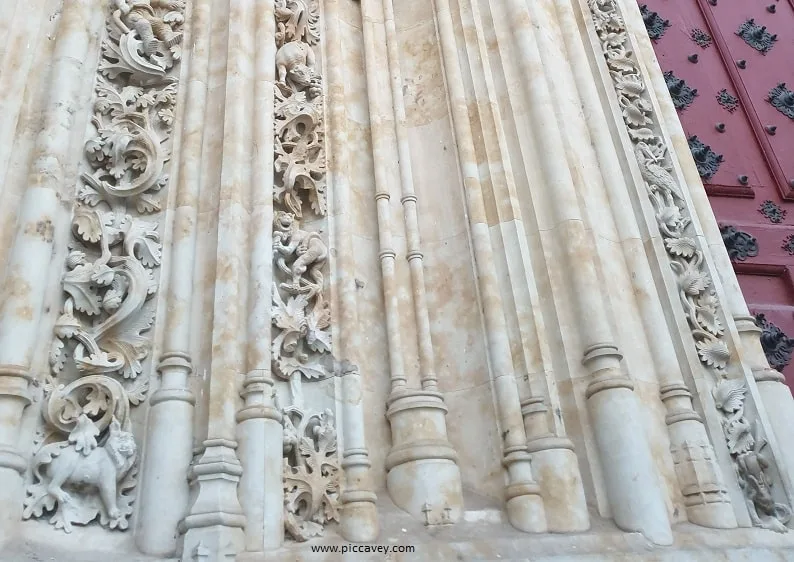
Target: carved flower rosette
695 288
84 466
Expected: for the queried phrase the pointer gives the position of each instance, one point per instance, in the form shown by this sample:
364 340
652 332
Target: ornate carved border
301 347
698 299
85 463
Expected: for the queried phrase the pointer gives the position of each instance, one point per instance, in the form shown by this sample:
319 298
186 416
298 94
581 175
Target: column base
213 528
358 521
423 476
632 482
556 470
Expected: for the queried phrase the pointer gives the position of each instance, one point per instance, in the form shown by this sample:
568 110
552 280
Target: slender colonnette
423 476
359 517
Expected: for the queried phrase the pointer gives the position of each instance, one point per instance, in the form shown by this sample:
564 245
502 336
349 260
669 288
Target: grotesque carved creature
85 467
295 64
308 250
140 16
747 452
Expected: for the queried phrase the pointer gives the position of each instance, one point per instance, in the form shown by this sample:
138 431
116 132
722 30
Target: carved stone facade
440 275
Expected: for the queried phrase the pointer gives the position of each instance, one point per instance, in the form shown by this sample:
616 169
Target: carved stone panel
84 466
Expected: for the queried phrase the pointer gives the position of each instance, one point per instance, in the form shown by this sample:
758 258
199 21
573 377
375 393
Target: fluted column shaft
633 488
359 516
524 506
554 461
40 216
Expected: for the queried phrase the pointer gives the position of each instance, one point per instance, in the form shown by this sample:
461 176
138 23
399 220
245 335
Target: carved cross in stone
446 518
426 510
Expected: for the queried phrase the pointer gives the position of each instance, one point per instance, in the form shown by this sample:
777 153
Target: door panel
729 66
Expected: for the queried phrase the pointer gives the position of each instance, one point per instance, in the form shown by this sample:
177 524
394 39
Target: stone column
524 504
774 393
164 494
28 270
359 515
635 495
261 434
554 461
699 476
423 476
216 519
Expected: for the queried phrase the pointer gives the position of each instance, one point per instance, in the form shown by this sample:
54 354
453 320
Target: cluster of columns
423 476
238 503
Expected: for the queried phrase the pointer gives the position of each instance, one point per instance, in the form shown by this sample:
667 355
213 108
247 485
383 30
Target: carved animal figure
653 173
308 247
79 465
295 60
139 15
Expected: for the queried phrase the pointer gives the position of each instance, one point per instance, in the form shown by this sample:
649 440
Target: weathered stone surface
287 273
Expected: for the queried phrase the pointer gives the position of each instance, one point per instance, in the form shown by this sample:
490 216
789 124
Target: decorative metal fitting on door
701 37
788 244
756 36
777 346
783 99
679 90
772 211
740 245
706 160
727 100
655 25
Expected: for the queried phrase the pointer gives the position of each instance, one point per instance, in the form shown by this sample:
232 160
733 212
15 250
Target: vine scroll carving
84 467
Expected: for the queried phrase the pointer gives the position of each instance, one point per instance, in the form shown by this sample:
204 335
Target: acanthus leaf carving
311 472
85 465
695 288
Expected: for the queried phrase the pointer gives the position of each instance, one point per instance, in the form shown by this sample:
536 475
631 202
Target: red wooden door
729 66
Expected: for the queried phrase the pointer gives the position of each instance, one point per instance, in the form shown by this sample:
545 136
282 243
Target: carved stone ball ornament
696 294
83 467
